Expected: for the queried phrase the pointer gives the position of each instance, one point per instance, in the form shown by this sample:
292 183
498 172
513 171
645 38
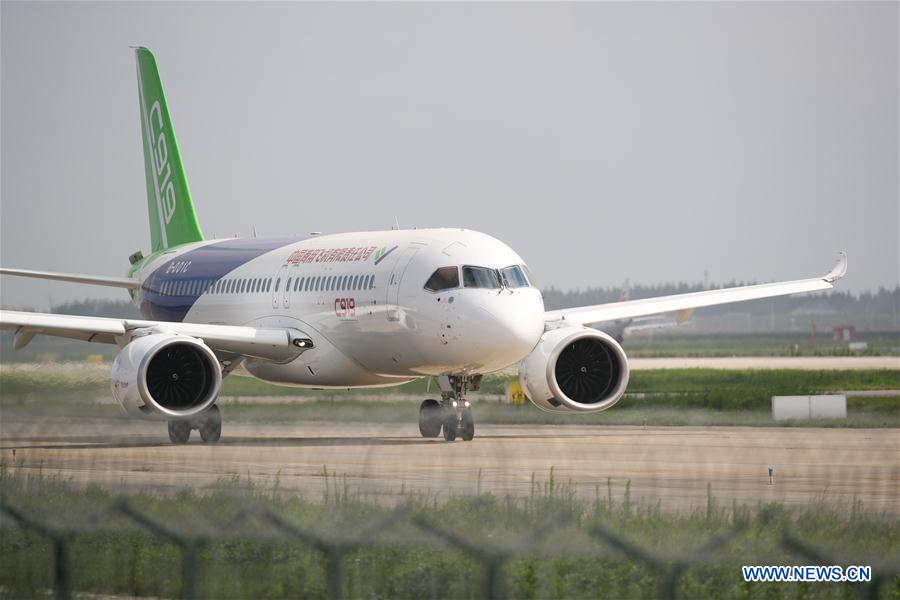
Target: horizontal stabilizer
119 282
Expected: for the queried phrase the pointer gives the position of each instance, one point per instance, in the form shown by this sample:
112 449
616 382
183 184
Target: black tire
467 431
211 425
450 425
179 432
430 412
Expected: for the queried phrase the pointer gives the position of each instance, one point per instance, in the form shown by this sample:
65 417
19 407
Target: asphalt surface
672 465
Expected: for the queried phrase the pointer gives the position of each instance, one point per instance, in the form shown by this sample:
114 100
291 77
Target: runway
672 465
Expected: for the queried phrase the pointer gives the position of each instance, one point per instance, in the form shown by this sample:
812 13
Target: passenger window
480 277
514 277
444 278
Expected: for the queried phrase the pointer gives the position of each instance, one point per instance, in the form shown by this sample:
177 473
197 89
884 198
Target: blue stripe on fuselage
207 265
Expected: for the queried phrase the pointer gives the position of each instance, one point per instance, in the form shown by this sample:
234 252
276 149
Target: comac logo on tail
161 163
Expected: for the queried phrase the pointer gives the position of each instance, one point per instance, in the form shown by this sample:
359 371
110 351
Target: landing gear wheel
179 432
467 427
450 425
430 412
211 425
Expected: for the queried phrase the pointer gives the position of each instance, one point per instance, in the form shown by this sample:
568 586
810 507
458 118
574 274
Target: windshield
444 278
480 277
514 277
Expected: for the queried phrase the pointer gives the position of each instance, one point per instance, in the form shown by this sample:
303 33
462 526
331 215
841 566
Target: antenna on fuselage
396 223
254 230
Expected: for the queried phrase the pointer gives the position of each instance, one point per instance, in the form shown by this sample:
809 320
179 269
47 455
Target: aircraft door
393 288
276 286
291 276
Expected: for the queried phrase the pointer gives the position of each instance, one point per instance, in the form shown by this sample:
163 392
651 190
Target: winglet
839 270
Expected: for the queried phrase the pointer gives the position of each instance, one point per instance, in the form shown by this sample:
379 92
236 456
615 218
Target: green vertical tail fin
173 220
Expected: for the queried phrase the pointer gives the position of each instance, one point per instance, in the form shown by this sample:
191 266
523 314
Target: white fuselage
361 298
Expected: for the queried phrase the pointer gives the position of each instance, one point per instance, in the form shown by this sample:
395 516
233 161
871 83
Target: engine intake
166 376
575 369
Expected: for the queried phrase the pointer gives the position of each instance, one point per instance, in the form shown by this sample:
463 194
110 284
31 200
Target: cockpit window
480 277
530 277
514 277
444 278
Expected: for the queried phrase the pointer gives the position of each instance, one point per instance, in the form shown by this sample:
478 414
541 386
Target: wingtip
839 270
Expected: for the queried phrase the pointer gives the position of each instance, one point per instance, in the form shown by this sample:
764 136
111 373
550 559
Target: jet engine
166 376
574 369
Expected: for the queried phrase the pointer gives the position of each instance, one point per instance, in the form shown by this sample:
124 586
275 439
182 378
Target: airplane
617 329
343 310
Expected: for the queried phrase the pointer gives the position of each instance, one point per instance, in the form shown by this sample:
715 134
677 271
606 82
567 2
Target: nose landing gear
453 416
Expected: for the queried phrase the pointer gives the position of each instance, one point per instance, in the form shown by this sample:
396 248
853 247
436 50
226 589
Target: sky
653 141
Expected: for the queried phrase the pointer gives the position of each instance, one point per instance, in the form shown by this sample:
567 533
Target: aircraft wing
120 282
277 344
613 311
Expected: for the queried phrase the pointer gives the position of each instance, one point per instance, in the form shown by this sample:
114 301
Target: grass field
551 544
683 344
655 397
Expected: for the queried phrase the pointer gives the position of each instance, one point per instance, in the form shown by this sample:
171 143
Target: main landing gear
452 416
209 424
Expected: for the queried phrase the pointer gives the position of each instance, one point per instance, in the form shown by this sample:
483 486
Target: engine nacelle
574 369
166 376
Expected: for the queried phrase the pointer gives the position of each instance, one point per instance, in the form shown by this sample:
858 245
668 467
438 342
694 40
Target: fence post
190 568
61 568
334 559
60 550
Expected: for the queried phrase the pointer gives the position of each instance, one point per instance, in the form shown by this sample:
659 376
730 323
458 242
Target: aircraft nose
513 325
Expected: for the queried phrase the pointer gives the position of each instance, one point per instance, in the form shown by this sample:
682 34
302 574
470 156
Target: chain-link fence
493 568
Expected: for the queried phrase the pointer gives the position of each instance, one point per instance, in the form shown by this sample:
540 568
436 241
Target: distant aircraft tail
626 291
173 220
